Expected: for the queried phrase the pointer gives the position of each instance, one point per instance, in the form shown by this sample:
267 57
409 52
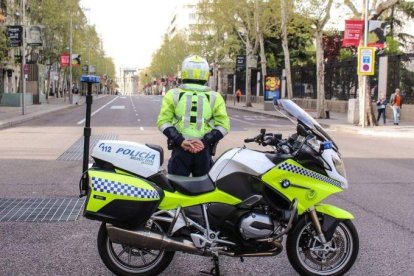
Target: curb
19 120
341 127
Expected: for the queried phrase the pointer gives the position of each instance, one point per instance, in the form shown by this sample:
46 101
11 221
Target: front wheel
123 259
309 256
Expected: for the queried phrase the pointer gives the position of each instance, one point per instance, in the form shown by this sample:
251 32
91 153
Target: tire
113 259
303 238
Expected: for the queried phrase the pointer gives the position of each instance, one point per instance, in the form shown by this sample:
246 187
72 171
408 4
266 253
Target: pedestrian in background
381 104
396 101
238 95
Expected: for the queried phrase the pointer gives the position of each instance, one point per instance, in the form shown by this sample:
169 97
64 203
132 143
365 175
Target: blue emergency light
90 79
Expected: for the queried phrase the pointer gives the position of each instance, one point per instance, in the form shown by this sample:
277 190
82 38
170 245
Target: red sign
64 60
354 30
26 69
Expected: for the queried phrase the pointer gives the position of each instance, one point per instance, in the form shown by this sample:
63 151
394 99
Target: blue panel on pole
90 79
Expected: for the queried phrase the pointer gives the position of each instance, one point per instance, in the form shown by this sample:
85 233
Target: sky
131 30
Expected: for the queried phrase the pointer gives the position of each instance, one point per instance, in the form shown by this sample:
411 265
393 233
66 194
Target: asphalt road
380 173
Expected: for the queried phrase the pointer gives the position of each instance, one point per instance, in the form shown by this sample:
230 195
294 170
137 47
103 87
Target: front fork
317 225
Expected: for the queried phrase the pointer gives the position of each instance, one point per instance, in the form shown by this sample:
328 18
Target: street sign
14 35
241 62
252 62
366 61
85 69
92 69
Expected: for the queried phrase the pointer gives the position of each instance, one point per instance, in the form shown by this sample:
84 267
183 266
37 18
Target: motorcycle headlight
339 166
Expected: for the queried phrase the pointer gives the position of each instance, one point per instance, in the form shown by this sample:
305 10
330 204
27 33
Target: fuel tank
240 160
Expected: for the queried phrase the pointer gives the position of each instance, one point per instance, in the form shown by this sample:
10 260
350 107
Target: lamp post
364 78
70 63
23 63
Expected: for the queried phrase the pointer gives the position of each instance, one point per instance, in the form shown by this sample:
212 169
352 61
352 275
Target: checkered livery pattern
308 173
117 188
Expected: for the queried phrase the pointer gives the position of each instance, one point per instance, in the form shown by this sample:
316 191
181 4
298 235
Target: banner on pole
64 60
376 34
76 60
34 35
354 30
15 36
366 61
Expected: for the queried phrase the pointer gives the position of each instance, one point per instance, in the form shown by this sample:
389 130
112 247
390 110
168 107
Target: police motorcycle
246 206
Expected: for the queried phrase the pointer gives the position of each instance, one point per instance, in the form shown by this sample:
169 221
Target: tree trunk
285 47
58 83
249 55
48 82
263 61
320 77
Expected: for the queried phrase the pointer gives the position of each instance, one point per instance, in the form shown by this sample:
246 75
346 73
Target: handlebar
249 140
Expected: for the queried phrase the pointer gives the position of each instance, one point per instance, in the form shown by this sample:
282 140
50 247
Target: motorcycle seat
191 185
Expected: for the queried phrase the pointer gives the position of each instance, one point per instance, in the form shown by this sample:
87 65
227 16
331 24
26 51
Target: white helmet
195 68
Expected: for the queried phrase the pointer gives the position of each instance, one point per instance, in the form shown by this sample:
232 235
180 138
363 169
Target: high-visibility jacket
193 110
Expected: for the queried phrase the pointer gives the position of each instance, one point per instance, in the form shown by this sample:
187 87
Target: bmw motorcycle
246 206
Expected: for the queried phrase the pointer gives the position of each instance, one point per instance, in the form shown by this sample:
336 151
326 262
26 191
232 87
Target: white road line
139 120
83 120
118 107
243 121
141 128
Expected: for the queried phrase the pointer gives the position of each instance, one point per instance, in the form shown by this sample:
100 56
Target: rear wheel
309 256
123 259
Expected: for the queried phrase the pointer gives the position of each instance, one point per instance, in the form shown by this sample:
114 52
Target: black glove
212 138
173 135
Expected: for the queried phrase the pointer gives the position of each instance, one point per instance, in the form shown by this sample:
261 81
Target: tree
214 39
285 10
319 14
168 58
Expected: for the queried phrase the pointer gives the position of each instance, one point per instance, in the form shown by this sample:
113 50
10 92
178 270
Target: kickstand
215 271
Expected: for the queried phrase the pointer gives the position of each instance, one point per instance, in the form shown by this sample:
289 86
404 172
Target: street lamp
23 63
364 78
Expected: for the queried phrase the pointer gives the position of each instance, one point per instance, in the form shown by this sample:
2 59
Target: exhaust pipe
156 241
150 240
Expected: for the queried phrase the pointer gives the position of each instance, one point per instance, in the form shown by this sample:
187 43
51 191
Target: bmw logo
285 183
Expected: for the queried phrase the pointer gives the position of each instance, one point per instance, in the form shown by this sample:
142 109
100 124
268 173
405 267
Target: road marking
123 97
139 120
243 121
118 107
83 120
141 128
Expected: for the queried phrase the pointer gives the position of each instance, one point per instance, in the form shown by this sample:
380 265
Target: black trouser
185 163
381 111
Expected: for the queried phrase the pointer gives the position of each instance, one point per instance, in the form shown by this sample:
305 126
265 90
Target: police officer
194 118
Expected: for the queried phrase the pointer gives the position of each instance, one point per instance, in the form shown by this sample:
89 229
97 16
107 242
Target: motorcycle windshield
296 114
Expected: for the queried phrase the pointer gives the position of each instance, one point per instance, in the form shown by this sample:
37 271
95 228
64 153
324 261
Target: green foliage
3 45
56 16
393 46
345 54
168 58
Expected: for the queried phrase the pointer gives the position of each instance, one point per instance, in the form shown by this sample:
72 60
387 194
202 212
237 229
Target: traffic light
76 60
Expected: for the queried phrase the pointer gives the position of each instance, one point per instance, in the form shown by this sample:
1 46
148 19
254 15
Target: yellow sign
366 61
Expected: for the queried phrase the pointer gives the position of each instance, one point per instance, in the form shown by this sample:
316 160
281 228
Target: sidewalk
11 116
338 121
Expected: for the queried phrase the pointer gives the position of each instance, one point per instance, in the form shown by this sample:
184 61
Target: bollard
89 79
327 114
